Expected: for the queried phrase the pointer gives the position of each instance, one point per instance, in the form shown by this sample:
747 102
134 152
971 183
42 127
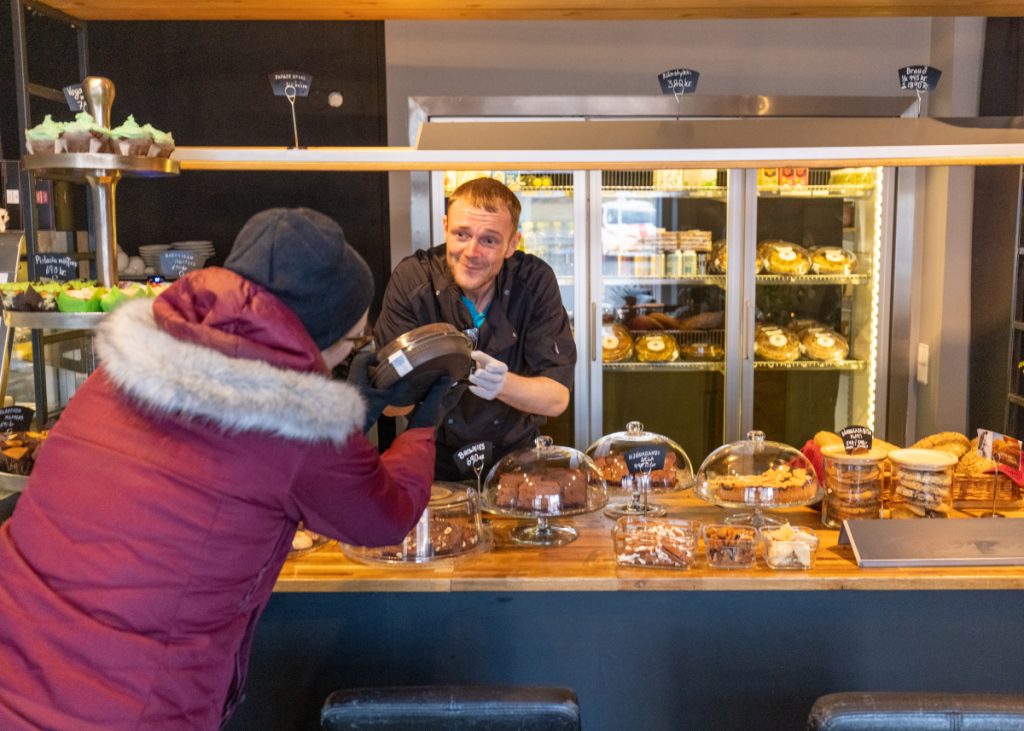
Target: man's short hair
489 194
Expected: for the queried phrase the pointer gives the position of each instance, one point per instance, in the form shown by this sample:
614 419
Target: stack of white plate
202 249
150 253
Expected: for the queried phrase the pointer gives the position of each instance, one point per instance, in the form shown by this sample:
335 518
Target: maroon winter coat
163 504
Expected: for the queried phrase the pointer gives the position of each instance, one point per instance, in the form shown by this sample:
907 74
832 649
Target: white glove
489 376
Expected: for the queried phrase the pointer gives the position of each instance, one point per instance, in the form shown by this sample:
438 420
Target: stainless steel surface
99 96
102 190
78 167
582 396
53 320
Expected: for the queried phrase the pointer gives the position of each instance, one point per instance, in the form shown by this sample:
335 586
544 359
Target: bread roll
825 438
948 441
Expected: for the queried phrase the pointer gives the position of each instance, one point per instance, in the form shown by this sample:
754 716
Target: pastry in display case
833 260
656 542
757 473
636 462
449 527
701 352
616 343
541 482
820 343
789 547
853 485
776 344
730 546
922 483
656 347
783 257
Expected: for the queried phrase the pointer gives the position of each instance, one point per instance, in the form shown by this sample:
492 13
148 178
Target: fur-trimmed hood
175 377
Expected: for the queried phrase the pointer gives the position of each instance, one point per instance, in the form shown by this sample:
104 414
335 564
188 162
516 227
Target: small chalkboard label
56 266
16 418
646 459
678 81
919 78
177 263
471 459
856 439
74 95
290 83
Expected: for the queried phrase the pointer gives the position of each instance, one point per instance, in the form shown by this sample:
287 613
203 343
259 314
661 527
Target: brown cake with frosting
549 490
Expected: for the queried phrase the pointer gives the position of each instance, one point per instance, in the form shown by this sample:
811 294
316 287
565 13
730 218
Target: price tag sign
290 83
177 263
16 418
644 460
678 81
75 97
856 439
59 267
1002 449
919 78
472 458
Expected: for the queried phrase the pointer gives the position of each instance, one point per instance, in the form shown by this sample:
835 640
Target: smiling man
509 301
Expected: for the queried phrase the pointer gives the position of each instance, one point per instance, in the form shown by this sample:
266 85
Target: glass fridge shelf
810 365
805 279
679 365
648 191
819 191
717 280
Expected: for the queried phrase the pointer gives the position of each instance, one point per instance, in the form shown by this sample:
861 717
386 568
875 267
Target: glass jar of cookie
853 485
922 483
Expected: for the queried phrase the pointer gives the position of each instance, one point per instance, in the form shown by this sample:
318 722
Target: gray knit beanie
301 256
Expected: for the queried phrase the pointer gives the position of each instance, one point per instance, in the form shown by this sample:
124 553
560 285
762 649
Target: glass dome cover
755 472
449 527
672 470
544 480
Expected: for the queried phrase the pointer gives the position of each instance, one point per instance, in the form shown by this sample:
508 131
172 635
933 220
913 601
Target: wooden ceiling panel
524 9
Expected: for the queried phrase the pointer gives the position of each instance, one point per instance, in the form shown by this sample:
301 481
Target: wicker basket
976 491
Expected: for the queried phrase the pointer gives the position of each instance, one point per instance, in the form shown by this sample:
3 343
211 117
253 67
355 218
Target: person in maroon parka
163 504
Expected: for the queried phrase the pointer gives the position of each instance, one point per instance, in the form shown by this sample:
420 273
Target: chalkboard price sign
59 267
856 439
678 81
472 458
290 83
174 264
75 97
16 418
919 78
646 459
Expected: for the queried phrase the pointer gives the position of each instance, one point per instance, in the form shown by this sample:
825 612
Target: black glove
376 398
440 399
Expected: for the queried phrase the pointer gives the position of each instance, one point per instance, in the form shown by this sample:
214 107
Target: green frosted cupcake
131 139
84 135
163 142
44 137
86 299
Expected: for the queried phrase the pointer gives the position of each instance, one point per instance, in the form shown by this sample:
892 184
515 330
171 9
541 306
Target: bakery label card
856 439
472 458
75 97
60 267
647 459
1000 448
678 81
290 83
16 418
919 78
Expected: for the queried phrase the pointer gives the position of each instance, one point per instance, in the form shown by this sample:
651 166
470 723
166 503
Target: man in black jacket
509 301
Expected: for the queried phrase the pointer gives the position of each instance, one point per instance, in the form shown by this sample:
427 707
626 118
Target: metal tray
53 320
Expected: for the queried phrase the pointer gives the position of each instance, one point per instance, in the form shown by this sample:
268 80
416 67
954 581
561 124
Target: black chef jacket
527 328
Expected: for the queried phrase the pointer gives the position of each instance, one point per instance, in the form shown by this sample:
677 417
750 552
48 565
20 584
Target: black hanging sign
174 264
60 267
919 78
16 418
290 83
75 97
472 458
856 439
678 81
646 459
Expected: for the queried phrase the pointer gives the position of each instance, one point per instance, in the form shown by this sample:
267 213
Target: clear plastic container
730 546
789 547
853 485
449 527
922 483
656 542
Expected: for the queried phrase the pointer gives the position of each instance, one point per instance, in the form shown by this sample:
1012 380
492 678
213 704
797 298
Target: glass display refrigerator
706 303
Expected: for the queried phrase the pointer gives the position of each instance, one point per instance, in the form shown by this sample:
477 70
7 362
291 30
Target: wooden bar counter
588 564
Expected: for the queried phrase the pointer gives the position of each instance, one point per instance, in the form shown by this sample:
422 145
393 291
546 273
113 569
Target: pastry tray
53 320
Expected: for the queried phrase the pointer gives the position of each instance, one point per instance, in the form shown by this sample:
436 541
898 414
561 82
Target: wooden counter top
588 564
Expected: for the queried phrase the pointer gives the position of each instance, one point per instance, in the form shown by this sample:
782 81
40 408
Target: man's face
478 243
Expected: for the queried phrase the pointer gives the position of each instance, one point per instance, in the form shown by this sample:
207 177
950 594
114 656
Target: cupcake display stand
101 172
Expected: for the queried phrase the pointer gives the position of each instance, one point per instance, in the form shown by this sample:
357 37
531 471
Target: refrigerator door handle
593 332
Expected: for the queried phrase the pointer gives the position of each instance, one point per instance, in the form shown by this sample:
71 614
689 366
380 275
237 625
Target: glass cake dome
542 482
635 462
757 473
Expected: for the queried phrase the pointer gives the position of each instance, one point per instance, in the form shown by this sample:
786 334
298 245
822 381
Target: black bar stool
917 712
452 708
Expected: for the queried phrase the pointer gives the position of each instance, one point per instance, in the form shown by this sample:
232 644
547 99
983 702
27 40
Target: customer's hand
488 378
440 399
376 398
